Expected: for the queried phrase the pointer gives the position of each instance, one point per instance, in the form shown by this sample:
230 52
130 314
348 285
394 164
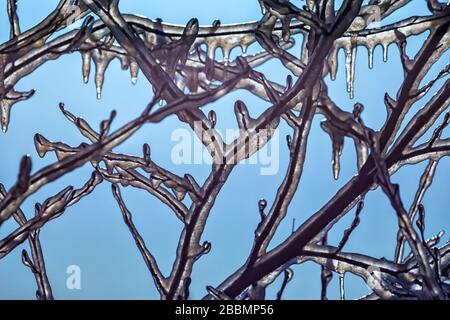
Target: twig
149 259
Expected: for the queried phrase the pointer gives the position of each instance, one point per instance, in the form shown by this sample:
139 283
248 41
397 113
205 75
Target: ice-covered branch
50 209
150 260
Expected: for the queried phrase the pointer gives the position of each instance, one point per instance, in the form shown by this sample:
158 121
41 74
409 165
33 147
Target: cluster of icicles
166 38
171 52
384 38
228 37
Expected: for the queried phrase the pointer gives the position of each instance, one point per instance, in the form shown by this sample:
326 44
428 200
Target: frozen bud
192 28
206 247
421 221
212 118
262 204
357 110
289 141
147 152
289 82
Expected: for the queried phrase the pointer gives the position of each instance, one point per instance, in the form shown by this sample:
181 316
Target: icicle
350 57
370 57
124 62
371 41
86 66
337 139
336 162
102 60
5 110
385 52
333 62
134 72
342 285
226 49
244 48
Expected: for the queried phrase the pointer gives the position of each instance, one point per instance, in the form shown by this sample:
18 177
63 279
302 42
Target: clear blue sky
92 234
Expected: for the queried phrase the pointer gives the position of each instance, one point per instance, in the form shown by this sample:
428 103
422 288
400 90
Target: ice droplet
134 72
99 93
262 204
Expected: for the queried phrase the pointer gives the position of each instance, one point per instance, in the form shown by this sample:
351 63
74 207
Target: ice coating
370 39
6 104
228 37
170 52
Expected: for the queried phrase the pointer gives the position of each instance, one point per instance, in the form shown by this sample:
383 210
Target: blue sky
92 234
